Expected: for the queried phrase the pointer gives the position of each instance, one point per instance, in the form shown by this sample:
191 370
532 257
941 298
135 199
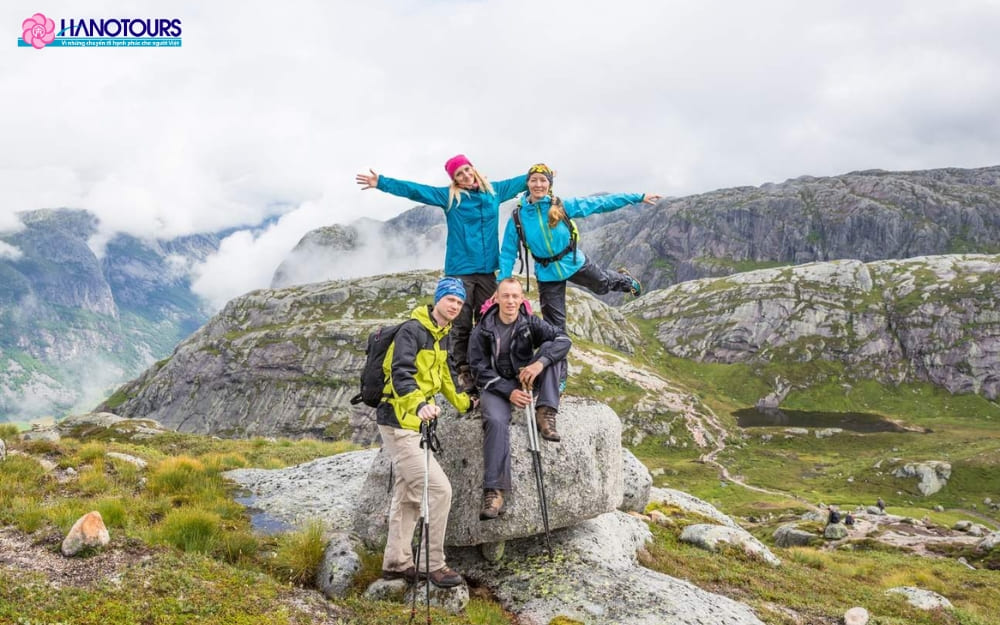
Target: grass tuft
300 554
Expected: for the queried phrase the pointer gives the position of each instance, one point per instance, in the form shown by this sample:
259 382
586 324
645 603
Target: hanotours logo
39 31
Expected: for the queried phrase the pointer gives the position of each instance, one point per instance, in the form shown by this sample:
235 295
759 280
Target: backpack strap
522 247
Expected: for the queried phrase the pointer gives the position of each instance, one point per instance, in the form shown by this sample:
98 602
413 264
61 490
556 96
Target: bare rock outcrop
927 318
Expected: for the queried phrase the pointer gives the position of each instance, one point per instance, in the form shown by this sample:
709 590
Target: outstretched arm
425 194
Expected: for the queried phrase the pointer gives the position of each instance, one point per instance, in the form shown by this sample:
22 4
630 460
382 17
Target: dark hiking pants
552 295
496 411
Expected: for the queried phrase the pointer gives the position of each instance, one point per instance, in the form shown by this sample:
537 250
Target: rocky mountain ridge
73 323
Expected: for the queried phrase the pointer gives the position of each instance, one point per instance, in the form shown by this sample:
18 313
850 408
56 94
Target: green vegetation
189 550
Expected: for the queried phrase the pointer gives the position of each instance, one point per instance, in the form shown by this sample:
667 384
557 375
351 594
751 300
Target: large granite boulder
933 475
583 477
922 599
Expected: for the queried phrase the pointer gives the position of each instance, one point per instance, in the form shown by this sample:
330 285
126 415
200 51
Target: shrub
8 431
300 553
190 529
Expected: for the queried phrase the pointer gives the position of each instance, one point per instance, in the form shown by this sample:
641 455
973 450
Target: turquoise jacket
473 223
545 242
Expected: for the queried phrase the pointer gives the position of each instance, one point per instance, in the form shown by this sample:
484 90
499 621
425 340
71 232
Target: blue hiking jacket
545 242
473 224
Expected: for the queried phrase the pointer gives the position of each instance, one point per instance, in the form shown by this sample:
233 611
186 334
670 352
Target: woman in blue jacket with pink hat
551 241
472 211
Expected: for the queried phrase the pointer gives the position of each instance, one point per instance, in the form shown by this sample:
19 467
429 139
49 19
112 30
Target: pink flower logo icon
38 31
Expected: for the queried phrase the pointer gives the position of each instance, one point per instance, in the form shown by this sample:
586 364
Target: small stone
856 616
88 531
493 552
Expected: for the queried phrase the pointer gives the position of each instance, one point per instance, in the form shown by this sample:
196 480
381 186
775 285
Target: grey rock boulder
595 579
933 475
3 450
709 537
340 563
583 477
638 481
790 536
922 599
835 531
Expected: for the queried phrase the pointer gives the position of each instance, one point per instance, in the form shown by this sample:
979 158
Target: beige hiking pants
403 447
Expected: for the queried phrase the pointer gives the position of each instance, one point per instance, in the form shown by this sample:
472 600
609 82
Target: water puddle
261 521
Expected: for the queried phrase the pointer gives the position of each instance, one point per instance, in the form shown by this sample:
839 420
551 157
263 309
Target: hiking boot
493 504
636 286
409 574
545 419
445 578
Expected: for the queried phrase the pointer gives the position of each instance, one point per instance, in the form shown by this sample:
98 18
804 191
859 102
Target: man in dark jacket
510 350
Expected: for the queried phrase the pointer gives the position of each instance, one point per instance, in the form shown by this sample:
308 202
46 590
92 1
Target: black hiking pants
552 295
479 287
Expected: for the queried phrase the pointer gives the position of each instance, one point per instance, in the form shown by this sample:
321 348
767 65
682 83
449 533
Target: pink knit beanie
453 163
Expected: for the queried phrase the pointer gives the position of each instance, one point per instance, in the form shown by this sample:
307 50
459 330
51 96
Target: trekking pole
427 438
536 460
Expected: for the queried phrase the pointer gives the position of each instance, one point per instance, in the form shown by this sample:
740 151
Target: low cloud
9 252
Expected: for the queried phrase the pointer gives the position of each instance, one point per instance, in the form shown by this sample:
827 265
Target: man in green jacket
416 369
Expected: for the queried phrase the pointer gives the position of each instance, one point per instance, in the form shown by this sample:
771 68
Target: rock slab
709 536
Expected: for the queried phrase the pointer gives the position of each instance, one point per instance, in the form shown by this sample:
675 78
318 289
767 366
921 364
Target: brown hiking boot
409 574
493 504
545 419
445 578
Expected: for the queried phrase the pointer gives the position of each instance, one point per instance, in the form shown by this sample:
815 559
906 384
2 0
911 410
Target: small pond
865 422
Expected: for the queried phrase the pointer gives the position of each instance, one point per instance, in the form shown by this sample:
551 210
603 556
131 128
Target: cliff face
928 318
868 216
73 324
286 361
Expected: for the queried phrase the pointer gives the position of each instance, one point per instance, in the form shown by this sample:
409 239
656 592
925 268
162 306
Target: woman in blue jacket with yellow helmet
472 211
552 243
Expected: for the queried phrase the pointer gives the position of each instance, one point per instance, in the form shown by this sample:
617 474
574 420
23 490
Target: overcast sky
271 107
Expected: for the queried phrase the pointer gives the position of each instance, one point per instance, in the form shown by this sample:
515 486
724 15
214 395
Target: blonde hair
556 212
455 192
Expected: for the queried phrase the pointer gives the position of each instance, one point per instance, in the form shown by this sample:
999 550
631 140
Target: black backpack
523 250
372 379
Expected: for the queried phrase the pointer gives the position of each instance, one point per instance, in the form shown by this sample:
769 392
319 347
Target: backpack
372 378
523 250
